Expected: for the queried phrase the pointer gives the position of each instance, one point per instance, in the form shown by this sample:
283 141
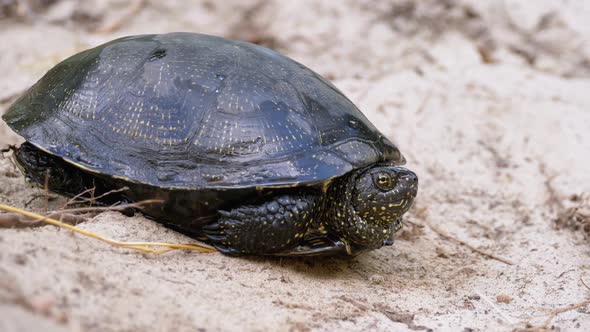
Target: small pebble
376 279
503 298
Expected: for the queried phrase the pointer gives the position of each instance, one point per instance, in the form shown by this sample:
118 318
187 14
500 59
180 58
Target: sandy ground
487 100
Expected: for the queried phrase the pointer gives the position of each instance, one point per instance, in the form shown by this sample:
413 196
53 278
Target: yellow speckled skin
206 124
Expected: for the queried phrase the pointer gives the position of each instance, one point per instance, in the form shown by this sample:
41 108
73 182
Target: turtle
246 149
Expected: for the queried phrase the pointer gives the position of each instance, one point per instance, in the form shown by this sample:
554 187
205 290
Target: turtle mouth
397 225
404 192
399 203
391 206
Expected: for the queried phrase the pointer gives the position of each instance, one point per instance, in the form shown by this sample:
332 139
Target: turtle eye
383 181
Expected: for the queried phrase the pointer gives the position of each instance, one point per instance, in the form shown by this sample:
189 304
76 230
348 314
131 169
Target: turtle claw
227 250
214 233
388 242
216 238
223 213
320 246
214 227
219 241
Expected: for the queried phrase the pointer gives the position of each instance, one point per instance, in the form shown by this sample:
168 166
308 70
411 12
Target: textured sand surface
488 101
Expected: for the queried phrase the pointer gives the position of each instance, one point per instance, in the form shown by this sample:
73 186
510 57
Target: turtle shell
185 110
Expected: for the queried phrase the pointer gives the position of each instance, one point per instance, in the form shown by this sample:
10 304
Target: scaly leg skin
272 227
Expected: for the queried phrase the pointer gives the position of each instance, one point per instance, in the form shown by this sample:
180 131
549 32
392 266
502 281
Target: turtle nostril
410 177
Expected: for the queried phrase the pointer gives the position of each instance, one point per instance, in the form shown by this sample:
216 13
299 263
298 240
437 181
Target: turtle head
384 193
375 200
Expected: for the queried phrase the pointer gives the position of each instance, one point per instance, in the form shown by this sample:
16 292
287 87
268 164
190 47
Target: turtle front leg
273 227
321 245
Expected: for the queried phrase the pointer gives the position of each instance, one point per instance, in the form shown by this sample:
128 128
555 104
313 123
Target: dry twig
15 220
554 313
133 9
74 199
553 200
92 199
547 324
140 246
68 216
448 236
122 207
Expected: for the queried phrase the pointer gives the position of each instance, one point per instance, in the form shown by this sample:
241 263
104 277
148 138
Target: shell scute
195 111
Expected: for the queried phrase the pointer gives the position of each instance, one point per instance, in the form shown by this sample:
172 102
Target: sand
487 100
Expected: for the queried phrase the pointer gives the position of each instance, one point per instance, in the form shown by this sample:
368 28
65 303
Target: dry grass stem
140 246
133 9
448 236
